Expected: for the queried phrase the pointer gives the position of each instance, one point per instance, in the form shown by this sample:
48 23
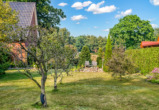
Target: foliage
65 34
6 24
131 30
156 33
92 42
99 62
145 59
154 76
84 56
47 15
4 59
41 54
62 56
99 58
108 53
120 64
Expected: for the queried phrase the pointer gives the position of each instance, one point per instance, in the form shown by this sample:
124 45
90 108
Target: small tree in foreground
120 64
38 47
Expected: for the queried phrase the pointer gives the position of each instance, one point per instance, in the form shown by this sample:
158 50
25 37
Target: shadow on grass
15 75
98 85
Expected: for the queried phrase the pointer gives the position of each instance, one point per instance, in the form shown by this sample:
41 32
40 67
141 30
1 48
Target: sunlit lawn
82 91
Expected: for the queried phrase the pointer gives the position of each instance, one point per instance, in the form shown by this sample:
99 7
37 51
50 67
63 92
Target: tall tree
47 15
131 30
84 55
108 53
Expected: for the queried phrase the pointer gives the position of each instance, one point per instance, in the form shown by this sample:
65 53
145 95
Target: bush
120 64
99 62
146 59
4 61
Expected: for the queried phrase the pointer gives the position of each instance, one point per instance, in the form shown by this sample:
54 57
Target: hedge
146 59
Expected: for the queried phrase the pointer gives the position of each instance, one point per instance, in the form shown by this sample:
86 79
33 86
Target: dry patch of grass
82 91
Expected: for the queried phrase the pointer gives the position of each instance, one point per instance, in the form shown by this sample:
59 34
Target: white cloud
155 2
154 25
106 30
124 13
79 5
96 9
78 23
62 4
78 17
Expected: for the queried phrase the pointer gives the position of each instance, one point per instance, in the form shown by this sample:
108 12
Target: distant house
27 17
145 44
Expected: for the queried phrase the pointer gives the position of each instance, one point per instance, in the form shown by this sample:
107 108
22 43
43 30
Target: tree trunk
55 80
67 73
43 94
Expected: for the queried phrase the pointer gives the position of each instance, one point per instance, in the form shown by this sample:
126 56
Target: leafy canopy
8 19
131 30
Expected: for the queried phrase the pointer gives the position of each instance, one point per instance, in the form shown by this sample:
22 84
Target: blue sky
96 17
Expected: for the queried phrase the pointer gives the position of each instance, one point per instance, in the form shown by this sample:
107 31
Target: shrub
145 59
84 56
99 62
154 76
120 64
4 60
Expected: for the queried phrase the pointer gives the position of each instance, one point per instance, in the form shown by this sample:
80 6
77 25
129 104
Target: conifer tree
99 58
84 56
108 53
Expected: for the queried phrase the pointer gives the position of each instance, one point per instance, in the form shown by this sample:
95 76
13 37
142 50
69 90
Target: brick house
27 17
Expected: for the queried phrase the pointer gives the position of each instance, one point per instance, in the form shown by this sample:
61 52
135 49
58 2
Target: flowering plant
155 74
155 70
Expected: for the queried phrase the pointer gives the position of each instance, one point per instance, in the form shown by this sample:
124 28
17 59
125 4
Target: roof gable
25 10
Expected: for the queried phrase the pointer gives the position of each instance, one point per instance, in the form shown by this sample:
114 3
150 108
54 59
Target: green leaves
84 55
131 30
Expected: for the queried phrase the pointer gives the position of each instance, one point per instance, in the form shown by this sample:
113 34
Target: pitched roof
25 10
148 44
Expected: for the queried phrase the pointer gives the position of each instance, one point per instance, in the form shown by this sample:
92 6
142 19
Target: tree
100 57
131 30
6 24
41 54
62 56
65 34
80 42
120 64
4 58
84 56
108 53
47 15
101 42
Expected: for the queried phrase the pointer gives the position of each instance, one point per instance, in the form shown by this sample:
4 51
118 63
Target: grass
82 91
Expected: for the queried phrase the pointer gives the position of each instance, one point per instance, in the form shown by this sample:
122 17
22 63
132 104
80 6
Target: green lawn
82 91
